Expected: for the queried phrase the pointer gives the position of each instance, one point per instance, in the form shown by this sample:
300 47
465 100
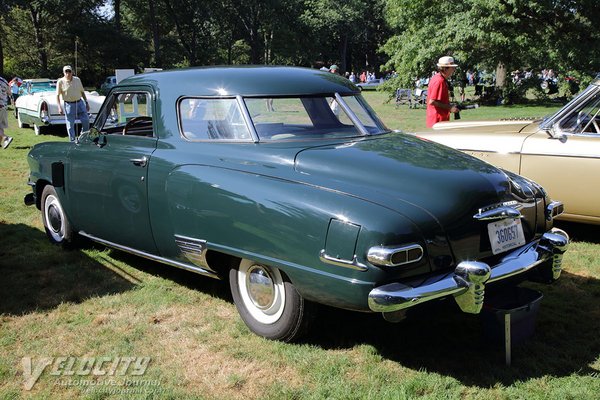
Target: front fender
46 165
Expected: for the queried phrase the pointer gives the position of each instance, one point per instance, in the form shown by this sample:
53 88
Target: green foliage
483 33
39 36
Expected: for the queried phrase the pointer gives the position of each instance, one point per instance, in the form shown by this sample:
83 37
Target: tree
346 32
490 33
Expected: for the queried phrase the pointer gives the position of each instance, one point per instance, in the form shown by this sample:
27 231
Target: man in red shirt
438 99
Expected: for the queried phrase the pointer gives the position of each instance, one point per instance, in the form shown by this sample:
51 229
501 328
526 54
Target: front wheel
57 226
269 304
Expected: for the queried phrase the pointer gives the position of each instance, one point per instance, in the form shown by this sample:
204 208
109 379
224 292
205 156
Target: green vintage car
285 182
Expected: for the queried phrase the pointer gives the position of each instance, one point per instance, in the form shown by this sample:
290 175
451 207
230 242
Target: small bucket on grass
522 304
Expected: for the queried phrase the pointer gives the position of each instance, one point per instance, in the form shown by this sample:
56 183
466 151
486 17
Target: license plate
505 235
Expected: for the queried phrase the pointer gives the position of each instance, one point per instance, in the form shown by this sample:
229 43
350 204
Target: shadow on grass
216 288
50 132
38 276
438 338
435 338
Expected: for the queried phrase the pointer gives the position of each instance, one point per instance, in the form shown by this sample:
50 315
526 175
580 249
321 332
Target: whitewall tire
57 225
268 303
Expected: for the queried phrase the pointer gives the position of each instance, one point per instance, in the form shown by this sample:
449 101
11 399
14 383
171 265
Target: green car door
108 173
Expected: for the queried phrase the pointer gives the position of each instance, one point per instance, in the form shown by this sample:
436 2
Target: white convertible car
37 107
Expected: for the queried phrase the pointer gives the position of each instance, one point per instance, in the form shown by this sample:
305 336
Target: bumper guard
467 282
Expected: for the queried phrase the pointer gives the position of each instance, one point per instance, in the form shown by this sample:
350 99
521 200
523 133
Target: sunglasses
68 70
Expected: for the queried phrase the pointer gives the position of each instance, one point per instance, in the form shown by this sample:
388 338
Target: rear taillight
44 113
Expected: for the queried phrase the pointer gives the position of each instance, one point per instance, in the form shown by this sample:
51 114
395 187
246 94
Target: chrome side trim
152 257
382 255
467 282
352 264
502 212
194 250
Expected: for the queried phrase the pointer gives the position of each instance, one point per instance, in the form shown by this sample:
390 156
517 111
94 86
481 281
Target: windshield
36 87
572 108
318 117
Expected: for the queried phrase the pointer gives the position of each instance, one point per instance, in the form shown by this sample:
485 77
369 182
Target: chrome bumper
467 282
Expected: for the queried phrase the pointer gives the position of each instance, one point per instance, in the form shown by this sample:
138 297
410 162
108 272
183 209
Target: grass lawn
94 303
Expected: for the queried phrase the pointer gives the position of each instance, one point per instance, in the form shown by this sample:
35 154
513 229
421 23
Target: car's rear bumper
467 282
58 119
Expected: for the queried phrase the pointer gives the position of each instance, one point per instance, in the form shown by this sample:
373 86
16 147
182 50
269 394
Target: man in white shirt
75 103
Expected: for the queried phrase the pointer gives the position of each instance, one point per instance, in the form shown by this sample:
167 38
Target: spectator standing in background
15 84
75 103
438 96
4 93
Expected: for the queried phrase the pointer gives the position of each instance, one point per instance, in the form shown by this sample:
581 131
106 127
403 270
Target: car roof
245 81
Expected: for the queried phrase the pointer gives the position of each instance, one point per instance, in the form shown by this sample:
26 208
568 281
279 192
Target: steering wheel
135 121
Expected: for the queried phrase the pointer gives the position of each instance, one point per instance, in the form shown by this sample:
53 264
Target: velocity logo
81 366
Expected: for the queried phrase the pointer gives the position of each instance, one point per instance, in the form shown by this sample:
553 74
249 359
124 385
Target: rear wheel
57 226
268 303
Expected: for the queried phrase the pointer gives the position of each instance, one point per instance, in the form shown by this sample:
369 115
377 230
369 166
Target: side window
212 119
584 119
128 114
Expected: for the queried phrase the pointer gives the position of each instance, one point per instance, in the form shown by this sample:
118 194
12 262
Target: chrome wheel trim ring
262 291
55 218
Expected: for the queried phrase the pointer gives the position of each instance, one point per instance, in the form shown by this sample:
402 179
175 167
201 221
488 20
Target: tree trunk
117 10
155 35
1 58
39 39
500 75
344 53
268 49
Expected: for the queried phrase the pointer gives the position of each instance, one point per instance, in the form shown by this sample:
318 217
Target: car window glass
212 119
299 118
128 113
584 119
365 114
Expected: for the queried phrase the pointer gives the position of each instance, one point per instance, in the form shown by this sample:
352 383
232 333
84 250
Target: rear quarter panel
278 222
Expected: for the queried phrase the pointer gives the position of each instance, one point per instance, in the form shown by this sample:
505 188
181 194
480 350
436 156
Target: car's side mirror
93 133
96 137
555 133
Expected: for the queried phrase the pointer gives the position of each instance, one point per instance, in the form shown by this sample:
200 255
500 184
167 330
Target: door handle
140 162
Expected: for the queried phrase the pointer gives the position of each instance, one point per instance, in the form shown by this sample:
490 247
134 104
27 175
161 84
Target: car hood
428 183
496 136
498 126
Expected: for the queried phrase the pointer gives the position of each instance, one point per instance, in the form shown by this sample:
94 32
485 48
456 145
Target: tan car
560 152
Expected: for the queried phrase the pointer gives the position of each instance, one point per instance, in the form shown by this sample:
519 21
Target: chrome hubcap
55 222
54 218
261 289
